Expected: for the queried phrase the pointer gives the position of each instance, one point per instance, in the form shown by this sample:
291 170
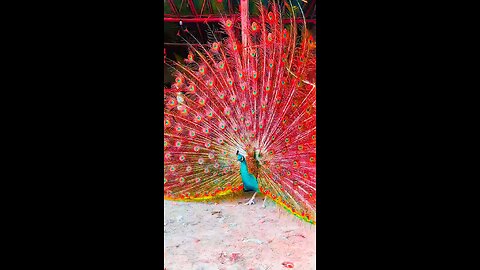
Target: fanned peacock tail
259 99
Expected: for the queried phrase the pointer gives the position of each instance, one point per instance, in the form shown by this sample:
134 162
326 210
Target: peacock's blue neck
249 181
243 169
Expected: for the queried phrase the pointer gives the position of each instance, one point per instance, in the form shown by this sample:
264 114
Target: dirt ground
233 236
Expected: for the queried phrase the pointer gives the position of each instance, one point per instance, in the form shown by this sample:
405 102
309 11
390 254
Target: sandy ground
233 236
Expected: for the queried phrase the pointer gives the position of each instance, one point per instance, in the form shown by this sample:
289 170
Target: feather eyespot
254 27
227 111
270 37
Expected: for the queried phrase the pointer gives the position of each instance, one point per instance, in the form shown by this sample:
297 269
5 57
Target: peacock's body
255 94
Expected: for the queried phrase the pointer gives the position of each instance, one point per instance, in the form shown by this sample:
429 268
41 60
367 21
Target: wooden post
244 25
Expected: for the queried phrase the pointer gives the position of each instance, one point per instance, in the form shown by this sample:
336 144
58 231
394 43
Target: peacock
241 113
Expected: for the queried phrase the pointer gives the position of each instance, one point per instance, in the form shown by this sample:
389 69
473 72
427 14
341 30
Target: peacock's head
240 157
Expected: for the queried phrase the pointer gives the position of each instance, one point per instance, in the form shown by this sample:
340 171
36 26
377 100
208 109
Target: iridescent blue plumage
249 181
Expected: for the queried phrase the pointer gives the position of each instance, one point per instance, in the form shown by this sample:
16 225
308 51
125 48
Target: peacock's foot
250 202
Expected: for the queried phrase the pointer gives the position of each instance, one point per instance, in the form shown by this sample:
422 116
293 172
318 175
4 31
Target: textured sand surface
232 236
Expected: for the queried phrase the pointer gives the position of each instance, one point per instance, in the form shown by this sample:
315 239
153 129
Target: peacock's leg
264 200
251 201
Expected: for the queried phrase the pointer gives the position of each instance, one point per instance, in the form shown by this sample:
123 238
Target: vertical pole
244 24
